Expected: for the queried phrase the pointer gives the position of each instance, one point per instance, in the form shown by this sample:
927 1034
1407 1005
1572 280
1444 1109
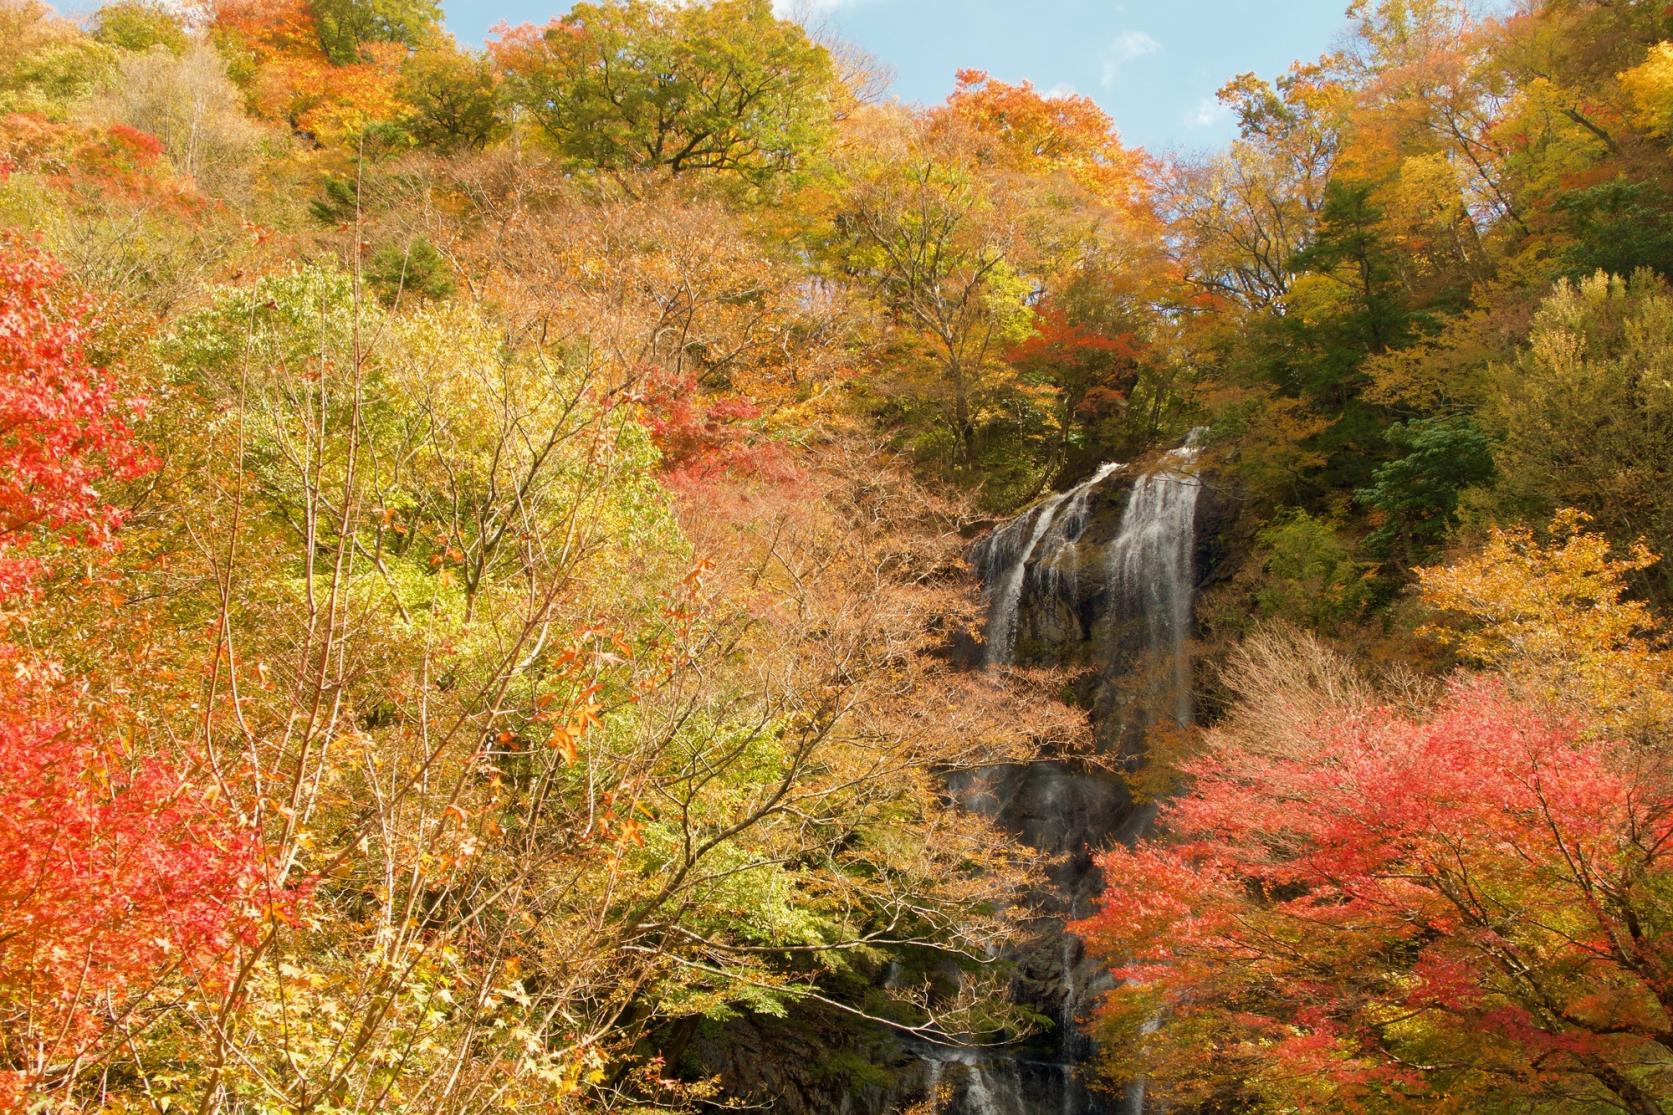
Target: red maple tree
1391 911
64 428
120 872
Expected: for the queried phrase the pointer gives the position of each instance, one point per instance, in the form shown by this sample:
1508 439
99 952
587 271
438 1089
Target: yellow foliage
1650 86
1554 617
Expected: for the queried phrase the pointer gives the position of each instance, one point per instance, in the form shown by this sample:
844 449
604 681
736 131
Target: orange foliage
117 872
103 165
296 83
1033 133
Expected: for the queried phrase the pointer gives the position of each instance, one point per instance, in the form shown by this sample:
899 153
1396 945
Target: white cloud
1210 111
1129 46
1061 90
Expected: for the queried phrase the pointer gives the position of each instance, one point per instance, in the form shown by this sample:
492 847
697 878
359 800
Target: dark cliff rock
1109 574
1101 580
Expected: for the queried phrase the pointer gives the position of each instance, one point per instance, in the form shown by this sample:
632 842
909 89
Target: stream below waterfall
1071 581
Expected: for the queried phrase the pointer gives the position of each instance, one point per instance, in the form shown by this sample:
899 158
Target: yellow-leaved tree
1554 616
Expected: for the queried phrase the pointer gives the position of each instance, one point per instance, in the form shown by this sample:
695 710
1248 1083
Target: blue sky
1152 64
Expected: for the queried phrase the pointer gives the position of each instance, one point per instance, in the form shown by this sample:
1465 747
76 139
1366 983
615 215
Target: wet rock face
1037 556
1069 611
1102 577
798 1069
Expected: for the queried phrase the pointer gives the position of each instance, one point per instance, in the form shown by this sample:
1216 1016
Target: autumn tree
1381 908
345 26
452 99
1427 86
68 429
1031 133
522 747
139 25
1009 238
941 251
46 63
1243 215
1553 612
1586 410
328 70
129 883
1096 277
187 101
635 85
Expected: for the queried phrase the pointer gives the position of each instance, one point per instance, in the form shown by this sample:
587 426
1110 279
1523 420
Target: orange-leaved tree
326 69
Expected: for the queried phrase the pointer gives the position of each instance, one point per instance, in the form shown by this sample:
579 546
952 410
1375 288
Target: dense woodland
482 594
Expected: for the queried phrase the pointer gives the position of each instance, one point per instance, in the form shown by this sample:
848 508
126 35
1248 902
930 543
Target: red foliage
63 428
116 872
132 145
1406 909
704 436
1097 369
101 165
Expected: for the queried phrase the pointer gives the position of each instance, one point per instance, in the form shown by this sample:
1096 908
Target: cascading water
1007 552
1152 576
1120 589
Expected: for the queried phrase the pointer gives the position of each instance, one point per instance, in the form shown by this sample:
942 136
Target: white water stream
1150 575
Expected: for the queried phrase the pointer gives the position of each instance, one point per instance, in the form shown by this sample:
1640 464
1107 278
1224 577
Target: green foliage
1416 495
1344 306
1349 248
139 25
277 327
452 98
1587 409
347 25
1619 227
338 202
53 73
416 270
636 84
1311 578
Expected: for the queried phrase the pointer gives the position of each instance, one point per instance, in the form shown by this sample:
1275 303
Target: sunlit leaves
1554 613
1587 408
125 883
723 86
66 429
1376 909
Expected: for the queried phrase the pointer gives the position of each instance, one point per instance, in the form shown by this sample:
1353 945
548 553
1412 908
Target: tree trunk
962 426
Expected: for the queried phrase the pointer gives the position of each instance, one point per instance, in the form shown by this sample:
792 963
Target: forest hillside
632 570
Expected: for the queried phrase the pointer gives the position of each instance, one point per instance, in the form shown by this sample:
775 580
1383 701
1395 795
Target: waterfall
1152 576
1135 1090
1152 568
1008 550
1104 583
988 1083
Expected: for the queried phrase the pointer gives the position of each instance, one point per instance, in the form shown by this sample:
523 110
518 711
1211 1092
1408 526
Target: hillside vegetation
483 606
